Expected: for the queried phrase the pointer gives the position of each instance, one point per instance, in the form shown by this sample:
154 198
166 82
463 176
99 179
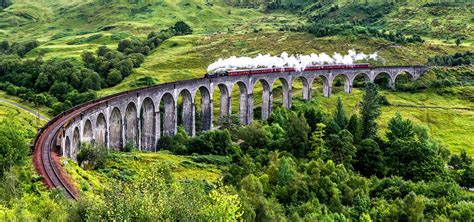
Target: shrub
91 157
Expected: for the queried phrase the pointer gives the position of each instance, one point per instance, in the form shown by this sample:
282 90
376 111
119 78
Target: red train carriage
280 70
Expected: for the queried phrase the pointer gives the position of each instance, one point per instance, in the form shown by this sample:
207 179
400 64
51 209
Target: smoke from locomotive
273 64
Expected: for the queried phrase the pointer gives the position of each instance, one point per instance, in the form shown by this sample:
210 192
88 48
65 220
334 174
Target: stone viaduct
135 116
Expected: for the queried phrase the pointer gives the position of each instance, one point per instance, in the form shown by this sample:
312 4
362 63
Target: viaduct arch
143 116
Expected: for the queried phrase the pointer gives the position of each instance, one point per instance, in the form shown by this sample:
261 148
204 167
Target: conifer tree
370 111
340 116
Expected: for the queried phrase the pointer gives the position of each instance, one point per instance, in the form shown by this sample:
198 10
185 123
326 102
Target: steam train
280 70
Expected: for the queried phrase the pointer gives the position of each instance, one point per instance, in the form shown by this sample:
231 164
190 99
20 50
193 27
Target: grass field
453 127
129 166
28 121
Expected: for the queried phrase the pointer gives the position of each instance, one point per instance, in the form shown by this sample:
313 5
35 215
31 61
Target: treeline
63 83
304 164
457 59
17 48
439 79
270 4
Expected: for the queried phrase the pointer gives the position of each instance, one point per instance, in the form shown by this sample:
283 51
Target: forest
377 154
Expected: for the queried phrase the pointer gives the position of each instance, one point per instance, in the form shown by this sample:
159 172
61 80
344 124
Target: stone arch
225 102
206 108
148 125
101 130
131 124
67 148
379 80
305 91
187 111
347 82
326 88
169 115
286 98
355 81
115 129
87 132
266 98
76 142
402 77
243 102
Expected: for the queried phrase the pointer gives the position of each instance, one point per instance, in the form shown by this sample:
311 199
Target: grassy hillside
67 28
451 123
134 165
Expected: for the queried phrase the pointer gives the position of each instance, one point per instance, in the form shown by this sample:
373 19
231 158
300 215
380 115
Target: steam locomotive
280 70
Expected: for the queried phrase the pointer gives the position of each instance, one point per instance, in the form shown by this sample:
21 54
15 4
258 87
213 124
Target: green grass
129 166
452 127
43 110
28 121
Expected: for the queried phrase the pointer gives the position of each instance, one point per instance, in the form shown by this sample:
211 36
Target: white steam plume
299 62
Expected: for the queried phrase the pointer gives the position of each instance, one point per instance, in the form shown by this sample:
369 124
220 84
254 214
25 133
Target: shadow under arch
131 124
148 125
115 129
101 130
320 85
384 80
243 101
281 87
205 108
185 107
263 98
76 142
360 80
87 132
338 81
168 115
302 84
224 105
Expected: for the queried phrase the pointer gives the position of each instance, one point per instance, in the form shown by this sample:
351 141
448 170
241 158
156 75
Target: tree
5 3
297 135
398 128
253 136
370 111
60 90
317 142
13 146
369 159
181 28
458 41
354 128
42 82
341 148
340 117
114 77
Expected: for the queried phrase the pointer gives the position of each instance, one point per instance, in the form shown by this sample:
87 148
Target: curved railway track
45 158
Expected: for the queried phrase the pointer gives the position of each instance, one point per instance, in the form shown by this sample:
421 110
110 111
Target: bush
91 157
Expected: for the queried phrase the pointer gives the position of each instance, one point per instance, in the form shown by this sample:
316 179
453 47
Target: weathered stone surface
135 116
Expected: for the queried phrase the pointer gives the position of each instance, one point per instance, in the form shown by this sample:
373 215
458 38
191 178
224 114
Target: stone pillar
270 102
265 103
158 129
348 86
310 89
249 108
193 119
327 89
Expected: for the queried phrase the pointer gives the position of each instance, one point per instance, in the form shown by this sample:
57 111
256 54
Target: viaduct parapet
135 116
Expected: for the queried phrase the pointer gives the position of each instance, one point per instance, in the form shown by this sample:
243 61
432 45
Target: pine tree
340 116
354 128
370 111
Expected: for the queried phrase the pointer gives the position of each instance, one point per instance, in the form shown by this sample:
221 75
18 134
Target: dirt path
25 108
